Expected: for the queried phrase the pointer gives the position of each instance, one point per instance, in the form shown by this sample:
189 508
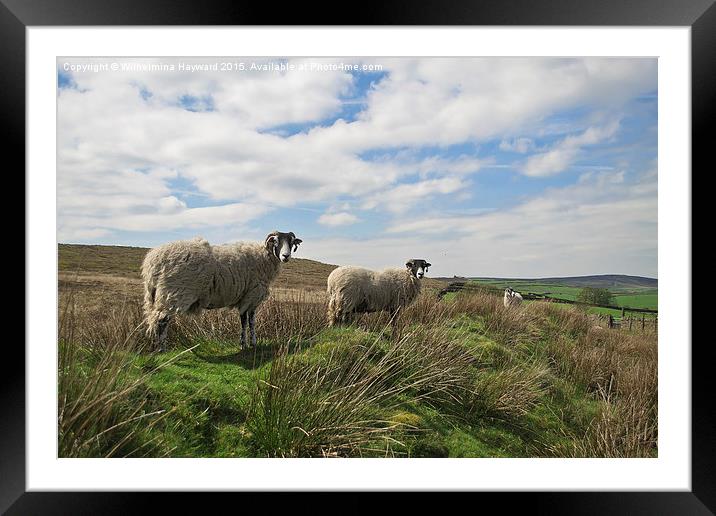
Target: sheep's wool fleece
362 290
187 275
508 300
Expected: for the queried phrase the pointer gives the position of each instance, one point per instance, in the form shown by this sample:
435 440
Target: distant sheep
353 290
190 275
511 298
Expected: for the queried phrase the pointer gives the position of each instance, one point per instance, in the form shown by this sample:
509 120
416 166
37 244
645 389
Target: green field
625 296
646 300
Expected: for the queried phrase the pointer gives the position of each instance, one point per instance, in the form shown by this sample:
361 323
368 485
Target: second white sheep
354 290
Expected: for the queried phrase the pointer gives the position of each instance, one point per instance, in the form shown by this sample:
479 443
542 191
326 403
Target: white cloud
337 219
403 197
83 227
445 101
562 154
254 99
599 225
462 165
125 142
68 234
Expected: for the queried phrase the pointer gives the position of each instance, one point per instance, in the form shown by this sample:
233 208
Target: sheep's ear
270 241
428 264
409 265
296 243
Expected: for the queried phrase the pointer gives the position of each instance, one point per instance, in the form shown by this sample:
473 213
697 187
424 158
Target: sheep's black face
282 244
418 267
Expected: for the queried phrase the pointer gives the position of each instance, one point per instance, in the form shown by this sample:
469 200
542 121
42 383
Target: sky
493 167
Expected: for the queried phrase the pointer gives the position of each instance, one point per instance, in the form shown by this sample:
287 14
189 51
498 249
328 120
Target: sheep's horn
269 238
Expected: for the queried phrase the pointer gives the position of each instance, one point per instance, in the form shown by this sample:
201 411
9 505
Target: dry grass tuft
101 408
626 427
510 392
326 408
621 370
333 407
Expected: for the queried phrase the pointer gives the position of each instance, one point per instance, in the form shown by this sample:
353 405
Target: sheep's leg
339 317
244 324
162 330
252 326
334 312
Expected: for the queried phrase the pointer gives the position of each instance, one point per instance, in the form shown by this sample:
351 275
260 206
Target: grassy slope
209 389
119 260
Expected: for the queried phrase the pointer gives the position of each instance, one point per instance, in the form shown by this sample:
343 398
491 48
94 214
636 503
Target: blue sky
487 167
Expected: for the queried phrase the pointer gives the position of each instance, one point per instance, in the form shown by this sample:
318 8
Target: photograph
357 257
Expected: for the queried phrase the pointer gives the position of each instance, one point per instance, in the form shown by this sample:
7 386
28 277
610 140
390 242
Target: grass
600 311
460 377
108 259
646 300
102 405
626 296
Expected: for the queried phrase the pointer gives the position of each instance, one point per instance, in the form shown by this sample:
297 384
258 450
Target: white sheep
354 290
511 298
187 276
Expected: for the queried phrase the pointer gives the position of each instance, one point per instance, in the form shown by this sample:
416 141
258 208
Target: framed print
423 252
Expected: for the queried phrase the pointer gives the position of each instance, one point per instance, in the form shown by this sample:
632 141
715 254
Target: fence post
642 322
610 323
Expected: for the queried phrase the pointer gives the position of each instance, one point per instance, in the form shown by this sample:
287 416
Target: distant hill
107 259
611 281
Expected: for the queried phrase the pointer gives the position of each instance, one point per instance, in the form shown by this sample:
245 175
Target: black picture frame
700 15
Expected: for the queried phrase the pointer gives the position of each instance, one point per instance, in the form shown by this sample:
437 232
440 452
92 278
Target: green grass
616 313
650 300
527 286
208 391
631 297
462 378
